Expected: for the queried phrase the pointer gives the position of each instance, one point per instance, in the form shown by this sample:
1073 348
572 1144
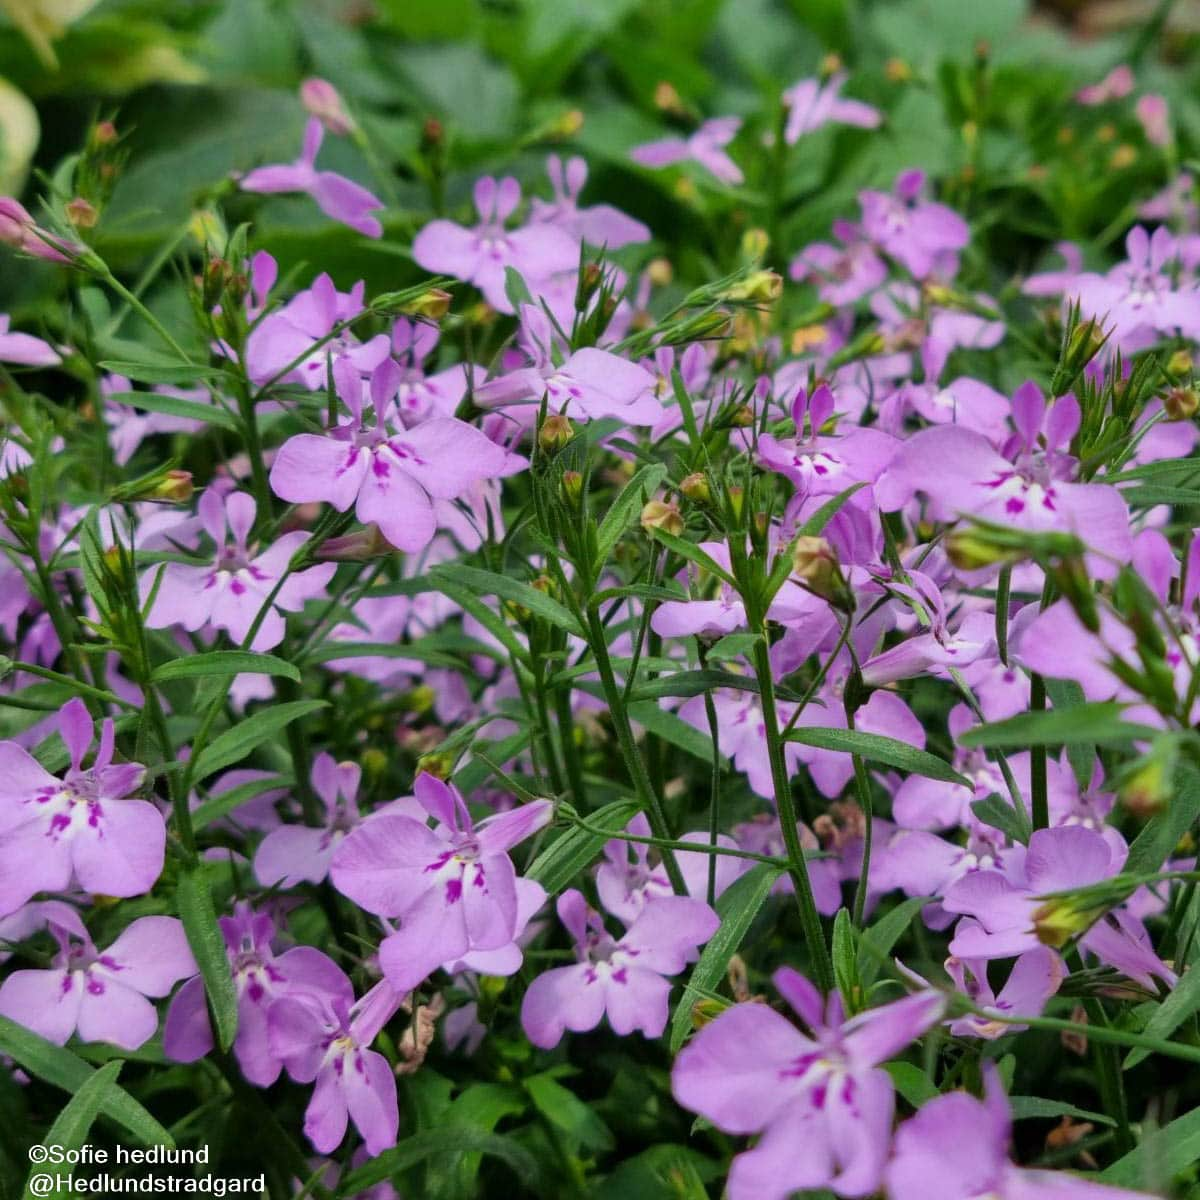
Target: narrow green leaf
693 683
845 961
737 907
1162 1155
71 1126
998 812
1183 1001
177 406
234 744
573 850
670 728
877 940
1096 724
165 370
488 583
625 508
224 662
194 898
65 1070
1152 847
693 554
230 801
1030 1107
877 748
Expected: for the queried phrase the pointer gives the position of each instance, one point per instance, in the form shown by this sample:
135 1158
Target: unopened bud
103 133
433 133
322 100
831 64
660 272
667 98
361 546
572 486
737 501
759 287
176 488
1123 156
556 432
1059 920
438 764
897 70
1180 404
374 762
81 213
664 515
1146 786
755 243
1180 363
742 417
695 487
970 549
568 125
706 1011
433 303
418 700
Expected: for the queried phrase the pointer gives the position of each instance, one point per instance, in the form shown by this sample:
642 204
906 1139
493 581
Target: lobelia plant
524 546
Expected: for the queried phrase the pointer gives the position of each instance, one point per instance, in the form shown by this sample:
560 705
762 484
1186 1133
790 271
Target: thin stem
1037 760
714 796
1003 590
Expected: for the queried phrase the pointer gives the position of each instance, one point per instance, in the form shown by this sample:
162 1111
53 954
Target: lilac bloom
706 147
1174 203
812 104
329 1042
957 1146
128 427
1116 85
1004 903
842 274
335 195
101 996
752 1071
1029 484
23 349
83 827
230 593
261 978
20 230
1153 113
300 332
587 384
922 236
421 395
625 978
599 225
1035 977
479 255
1055 283
294 854
391 478
821 464
764 835
453 887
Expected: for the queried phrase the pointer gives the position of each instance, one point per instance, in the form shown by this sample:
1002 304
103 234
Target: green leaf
845 961
693 683
193 896
670 728
227 802
1000 814
224 662
911 1082
65 1070
1160 1156
1030 1107
693 554
1064 694
573 850
488 583
737 907
576 1121
1158 839
625 509
876 941
160 370
177 406
1183 1001
234 744
877 748
1097 724
435 1143
71 1126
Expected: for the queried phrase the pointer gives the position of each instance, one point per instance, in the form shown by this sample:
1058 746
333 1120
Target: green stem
1003 590
136 304
714 796
1037 760
254 450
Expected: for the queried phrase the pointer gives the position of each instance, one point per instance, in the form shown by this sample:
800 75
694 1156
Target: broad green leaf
737 907
877 748
234 744
911 1082
573 850
488 583
670 728
1183 1001
435 1143
1097 724
1160 1156
177 406
194 899
224 662
625 509
65 1070
998 812
71 1126
574 1120
877 940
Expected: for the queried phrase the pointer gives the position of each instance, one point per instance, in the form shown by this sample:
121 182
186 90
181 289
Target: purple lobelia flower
1035 977
587 384
453 887
83 828
327 1040
812 104
706 146
24 349
301 333
335 195
101 996
821 464
626 978
599 224
393 478
922 236
842 274
230 593
421 394
956 1147
752 1071
1029 484
293 854
480 254
261 978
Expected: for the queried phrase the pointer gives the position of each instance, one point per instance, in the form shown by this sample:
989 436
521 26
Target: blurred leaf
1097 724
458 82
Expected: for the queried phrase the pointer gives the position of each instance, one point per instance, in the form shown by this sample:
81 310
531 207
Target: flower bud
322 100
970 549
81 214
418 699
695 487
568 125
897 70
1146 786
103 134
742 417
755 243
556 431
361 546
19 230
831 64
1180 363
759 287
667 98
659 514
1059 920
437 763
374 762
1180 404
572 487
660 271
